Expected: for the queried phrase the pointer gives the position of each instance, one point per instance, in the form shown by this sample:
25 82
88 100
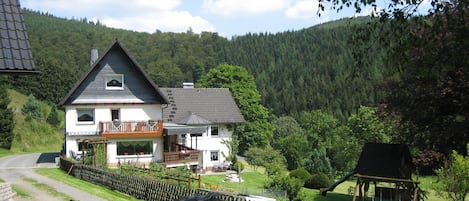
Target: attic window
114 82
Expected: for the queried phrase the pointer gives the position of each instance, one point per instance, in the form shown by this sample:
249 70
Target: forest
294 70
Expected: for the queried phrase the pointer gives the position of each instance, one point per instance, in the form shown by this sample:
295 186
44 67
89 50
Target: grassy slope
36 135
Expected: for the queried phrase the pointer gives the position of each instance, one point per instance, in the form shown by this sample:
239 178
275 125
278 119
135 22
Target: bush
300 173
238 167
317 181
427 161
455 177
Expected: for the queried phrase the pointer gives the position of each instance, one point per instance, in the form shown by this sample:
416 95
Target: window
115 114
214 131
214 155
134 148
85 115
114 82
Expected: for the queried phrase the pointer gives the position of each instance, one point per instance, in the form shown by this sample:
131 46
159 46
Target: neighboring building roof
385 160
201 106
140 93
15 53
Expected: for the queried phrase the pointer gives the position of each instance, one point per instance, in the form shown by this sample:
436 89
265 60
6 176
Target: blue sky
227 17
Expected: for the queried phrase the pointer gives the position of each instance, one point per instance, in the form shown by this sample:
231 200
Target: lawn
254 181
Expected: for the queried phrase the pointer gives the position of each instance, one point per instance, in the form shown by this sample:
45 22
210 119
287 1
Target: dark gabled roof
96 64
15 53
202 105
385 160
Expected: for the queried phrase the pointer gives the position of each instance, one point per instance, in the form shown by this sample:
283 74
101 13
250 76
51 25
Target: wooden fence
139 187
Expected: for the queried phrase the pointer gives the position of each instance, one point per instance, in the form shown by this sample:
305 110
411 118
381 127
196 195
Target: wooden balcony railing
182 157
131 129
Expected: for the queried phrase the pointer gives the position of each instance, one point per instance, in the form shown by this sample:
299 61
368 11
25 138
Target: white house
210 113
115 103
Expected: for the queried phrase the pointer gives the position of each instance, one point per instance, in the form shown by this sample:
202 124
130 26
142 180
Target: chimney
188 85
93 56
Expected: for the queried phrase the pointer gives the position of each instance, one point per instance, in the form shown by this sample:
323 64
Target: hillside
34 135
294 70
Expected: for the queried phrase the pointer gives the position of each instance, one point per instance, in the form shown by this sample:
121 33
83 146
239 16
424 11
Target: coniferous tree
6 119
53 118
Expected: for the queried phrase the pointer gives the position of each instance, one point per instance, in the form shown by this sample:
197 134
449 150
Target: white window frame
218 156
84 110
117 77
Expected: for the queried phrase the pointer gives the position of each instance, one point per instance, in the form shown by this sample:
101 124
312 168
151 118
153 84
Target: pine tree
53 118
6 119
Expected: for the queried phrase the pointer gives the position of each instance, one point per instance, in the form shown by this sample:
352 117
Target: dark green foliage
301 174
32 108
293 71
317 181
53 118
319 163
6 118
285 183
257 130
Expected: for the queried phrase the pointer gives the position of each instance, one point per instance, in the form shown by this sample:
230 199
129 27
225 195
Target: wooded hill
294 70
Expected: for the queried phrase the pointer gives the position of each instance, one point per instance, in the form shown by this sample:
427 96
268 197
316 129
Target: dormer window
114 82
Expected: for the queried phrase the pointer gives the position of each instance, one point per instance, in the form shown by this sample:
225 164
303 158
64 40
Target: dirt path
14 170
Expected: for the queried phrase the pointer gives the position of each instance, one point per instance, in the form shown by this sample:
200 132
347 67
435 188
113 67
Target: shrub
300 173
238 167
317 181
427 161
455 177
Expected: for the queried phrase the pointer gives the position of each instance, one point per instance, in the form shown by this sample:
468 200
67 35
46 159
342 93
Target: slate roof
67 99
200 106
15 53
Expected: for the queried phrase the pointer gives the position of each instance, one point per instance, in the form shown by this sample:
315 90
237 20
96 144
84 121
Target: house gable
114 78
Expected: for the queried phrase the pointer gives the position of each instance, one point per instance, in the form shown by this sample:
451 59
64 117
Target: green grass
21 192
35 135
48 189
94 189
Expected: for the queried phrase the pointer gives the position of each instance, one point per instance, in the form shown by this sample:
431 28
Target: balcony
131 129
181 158
182 155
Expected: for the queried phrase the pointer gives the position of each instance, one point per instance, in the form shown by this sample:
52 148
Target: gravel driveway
14 168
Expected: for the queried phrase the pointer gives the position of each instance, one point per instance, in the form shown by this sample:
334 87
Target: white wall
208 143
138 112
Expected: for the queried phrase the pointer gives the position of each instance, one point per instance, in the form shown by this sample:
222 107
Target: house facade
210 113
116 104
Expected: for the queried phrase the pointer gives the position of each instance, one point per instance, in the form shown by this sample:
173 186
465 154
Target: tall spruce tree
6 119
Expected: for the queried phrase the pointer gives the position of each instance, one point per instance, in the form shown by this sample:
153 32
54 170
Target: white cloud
304 9
240 7
165 21
137 15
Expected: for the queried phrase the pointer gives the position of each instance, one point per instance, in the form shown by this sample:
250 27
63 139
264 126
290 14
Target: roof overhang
176 129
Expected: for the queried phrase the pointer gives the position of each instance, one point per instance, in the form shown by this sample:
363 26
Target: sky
226 17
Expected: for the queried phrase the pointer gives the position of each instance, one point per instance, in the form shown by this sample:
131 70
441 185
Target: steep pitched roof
15 53
115 46
385 160
195 106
